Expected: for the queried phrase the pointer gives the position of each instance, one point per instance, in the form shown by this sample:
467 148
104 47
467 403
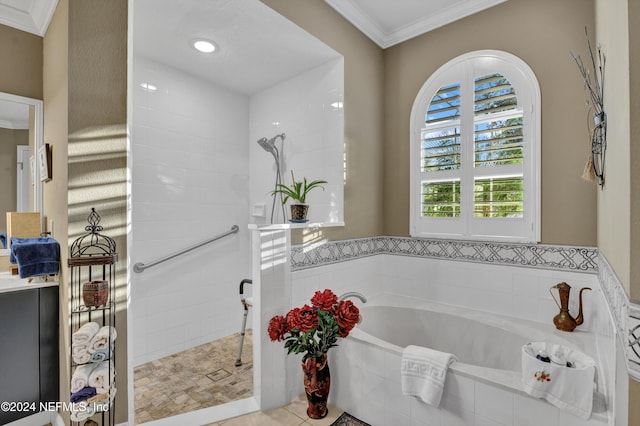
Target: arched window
475 150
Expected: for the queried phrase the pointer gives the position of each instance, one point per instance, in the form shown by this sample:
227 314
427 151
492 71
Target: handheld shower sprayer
269 145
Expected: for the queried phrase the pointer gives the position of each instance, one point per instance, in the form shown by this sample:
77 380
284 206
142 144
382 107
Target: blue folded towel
84 393
3 239
35 256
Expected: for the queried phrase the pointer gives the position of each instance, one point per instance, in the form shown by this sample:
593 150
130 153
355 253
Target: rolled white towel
102 376
80 377
80 353
84 334
102 339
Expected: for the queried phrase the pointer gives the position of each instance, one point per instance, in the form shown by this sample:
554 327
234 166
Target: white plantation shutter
475 149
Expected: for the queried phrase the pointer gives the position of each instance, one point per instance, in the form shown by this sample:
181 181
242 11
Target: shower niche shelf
92 258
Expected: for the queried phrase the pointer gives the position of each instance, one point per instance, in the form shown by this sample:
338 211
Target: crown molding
33 17
372 29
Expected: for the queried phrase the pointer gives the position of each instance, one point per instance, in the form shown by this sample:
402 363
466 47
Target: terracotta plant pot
299 212
317 381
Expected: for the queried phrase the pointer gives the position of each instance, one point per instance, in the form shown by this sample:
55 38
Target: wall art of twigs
593 77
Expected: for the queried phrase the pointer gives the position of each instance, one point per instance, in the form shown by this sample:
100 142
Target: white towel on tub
570 389
423 373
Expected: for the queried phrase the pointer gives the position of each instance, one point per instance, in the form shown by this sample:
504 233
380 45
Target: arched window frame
463 70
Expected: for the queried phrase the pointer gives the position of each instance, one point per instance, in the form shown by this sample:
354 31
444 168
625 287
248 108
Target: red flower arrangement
315 329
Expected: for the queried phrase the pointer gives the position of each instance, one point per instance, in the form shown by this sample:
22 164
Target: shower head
267 145
272 141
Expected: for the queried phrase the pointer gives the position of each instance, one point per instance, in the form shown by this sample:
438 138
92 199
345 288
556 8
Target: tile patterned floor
294 414
197 378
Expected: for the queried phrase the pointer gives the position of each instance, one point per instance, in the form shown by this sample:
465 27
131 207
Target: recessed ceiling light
204 46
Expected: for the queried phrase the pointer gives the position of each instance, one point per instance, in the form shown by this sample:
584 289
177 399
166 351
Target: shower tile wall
190 181
196 170
308 109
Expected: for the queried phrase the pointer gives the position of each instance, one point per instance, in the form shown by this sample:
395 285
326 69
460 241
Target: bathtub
482 387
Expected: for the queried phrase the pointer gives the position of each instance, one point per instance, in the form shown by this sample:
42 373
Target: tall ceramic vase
316 385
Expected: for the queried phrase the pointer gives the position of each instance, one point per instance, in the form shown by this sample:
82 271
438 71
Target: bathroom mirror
21 121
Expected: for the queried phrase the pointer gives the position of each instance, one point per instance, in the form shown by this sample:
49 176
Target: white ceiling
389 22
14 115
32 16
258 47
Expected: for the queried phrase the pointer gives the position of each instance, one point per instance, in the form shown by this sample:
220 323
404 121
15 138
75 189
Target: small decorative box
95 293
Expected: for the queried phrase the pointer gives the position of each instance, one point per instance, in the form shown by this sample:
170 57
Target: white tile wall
197 170
190 182
302 109
506 290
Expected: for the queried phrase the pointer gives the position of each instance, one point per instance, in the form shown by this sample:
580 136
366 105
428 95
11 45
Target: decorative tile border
633 351
626 315
566 258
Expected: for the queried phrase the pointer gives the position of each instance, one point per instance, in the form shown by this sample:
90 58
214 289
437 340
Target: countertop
10 283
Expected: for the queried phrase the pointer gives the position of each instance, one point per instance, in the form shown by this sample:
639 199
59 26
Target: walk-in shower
269 145
195 171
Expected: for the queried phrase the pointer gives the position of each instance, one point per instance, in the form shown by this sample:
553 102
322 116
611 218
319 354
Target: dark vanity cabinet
29 360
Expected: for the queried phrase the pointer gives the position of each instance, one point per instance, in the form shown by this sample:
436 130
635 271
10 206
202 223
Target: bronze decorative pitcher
564 321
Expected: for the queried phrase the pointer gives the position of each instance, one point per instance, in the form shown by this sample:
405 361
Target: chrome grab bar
140 267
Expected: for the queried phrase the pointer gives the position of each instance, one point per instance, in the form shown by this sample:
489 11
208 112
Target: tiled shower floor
197 378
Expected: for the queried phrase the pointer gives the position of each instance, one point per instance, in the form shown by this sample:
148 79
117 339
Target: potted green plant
297 192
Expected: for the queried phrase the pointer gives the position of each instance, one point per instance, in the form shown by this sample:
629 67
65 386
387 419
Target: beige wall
634 142
21 65
614 230
56 103
619 202
85 78
542 33
363 121
97 142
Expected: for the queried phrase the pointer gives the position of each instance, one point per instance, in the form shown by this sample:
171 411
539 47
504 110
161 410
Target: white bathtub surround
495 285
614 305
367 379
